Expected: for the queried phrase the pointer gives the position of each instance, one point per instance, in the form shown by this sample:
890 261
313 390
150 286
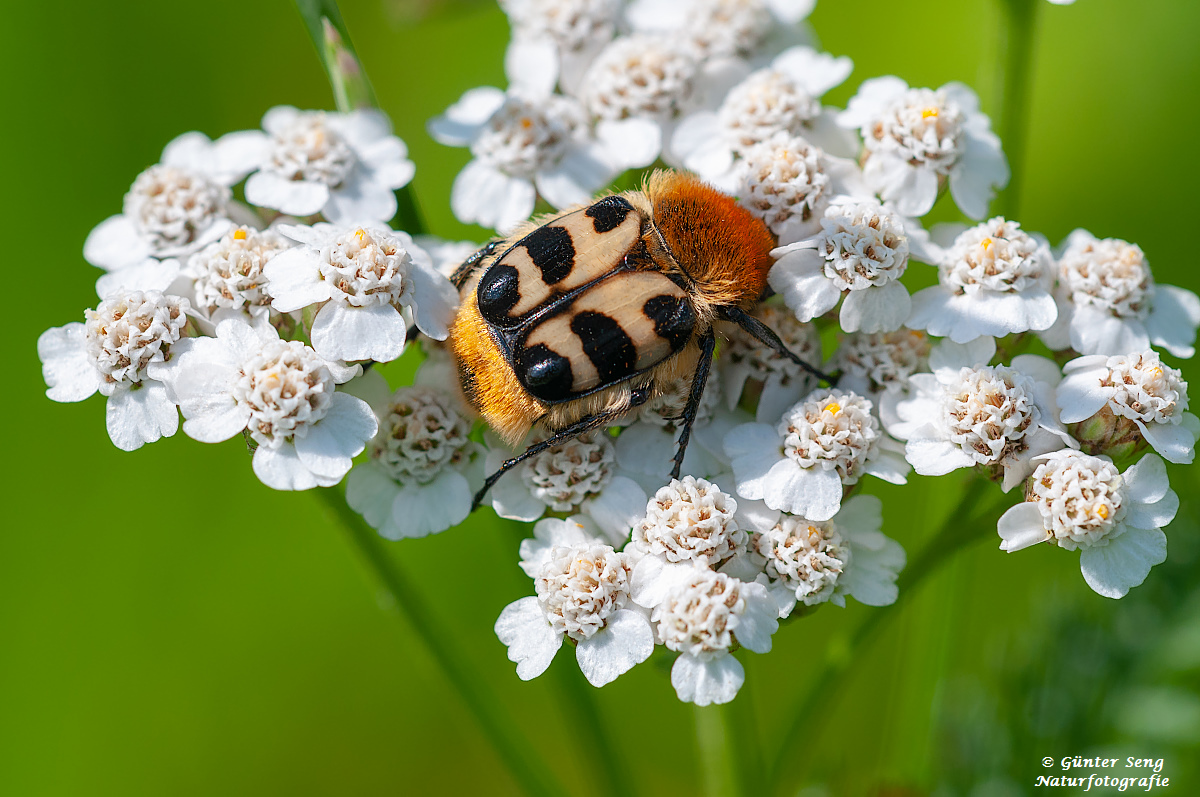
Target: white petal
1173 321
342 332
149 275
699 145
422 509
871 576
806 290
361 127
934 457
790 12
815 492
706 682
1041 369
876 309
1153 515
1146 481
754 515
1114 569
464 119
759 620
912 189
1080 395
776 398
631 143
68 370
279 118
293 197
115 243
387 163
370 492
816 72
891 467
280 469
951 357
362 199
1175 442
653 578
618 506
531 66
486 196
437 300
135 417
1095 331
872 98
294 280
531 641
338 437
211 413
1020 527
237 154
982 169
626 640
580 173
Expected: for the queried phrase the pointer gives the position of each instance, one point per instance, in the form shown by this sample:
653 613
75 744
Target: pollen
833 408
359 233
1102 511
526 122
929 112
986 243
239 235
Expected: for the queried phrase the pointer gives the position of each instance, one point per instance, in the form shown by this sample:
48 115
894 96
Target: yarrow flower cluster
256 285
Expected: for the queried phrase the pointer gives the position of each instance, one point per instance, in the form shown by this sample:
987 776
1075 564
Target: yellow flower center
930 112
1102 511
833 408
239 235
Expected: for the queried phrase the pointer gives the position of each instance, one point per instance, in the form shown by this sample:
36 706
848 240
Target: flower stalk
1019 34
512 748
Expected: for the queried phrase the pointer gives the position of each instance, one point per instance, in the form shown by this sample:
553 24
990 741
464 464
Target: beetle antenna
765 335
584 425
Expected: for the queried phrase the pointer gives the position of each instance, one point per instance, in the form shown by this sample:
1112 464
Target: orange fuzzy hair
725 250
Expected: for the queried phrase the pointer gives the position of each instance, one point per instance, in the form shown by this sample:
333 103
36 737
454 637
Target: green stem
513 750
577 699
714 741
1019 33
958 530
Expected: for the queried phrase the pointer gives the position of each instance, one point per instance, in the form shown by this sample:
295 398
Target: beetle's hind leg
765 335
708 342
637 398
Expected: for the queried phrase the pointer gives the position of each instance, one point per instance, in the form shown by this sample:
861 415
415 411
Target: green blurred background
168 625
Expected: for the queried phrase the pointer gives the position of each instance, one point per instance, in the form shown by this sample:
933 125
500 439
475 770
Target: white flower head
176 206
344 166
422 469
690 520
1129 390
719 30
819 561
643 76
583 591
227 275
968 413
281 393
862 250
113 352
919 140
822 443
560 37
527 143
1080 501
1108 302
994 279
702 616
782 100
746 361
578 475
371 284
874 363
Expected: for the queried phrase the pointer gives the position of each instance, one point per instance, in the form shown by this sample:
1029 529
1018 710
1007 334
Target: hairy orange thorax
724 249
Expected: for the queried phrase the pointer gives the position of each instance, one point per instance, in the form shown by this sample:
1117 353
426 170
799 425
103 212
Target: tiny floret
690 520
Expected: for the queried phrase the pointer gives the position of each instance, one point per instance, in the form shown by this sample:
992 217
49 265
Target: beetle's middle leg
708 343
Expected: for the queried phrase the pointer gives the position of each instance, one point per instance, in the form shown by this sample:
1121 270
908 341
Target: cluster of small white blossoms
261 309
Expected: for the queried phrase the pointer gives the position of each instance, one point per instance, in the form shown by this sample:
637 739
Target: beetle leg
765 335
708 343
586 424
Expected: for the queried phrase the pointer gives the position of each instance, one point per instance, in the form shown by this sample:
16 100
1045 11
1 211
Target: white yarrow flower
345 166
994 279
968 413
1138 388
371 284
1079 501
176 206
579 475
582 590
780 382
1108 302
113 352
281 392
723 30
422 469
822 443
875 363
227 276
862 250
919 140
783 98
561 37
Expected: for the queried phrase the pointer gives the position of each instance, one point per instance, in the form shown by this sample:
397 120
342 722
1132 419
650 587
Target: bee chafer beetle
575 319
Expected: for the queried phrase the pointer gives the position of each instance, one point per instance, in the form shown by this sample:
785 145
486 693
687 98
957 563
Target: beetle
577 318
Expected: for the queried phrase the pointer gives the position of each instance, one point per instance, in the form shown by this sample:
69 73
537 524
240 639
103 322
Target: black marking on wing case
498 291
673 317
606 344
608 213
545 373
551 250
